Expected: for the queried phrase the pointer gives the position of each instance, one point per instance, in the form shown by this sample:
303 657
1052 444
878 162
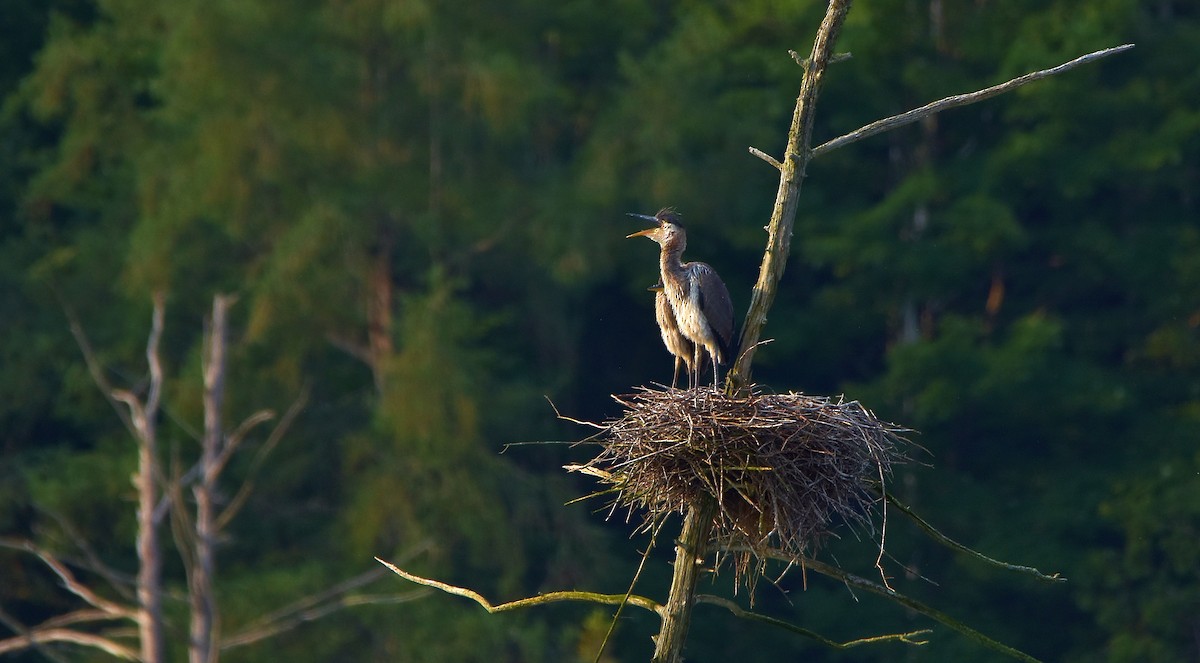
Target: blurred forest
419 206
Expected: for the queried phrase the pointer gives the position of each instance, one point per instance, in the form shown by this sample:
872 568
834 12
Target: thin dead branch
541 599
909 638
21 630
70 582
321 604
273 440
856 582
908 117
54 629
38 636
955 545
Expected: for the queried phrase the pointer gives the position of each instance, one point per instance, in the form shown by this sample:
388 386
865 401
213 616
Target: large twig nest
784 469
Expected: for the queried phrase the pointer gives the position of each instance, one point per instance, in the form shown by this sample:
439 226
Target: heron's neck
671 262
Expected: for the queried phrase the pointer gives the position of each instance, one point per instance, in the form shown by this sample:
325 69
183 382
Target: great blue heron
697 296
677 344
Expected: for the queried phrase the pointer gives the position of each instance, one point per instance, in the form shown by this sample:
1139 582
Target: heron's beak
648 232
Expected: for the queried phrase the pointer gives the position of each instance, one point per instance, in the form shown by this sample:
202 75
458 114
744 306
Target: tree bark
689 555
149 577
791 175
203 598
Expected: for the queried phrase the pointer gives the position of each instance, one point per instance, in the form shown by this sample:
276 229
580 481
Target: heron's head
667 231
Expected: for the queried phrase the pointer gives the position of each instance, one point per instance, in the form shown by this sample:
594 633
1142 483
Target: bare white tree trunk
204 630
159 496
143 418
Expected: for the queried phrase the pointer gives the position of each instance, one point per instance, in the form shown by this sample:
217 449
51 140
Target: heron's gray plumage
715 306
697 296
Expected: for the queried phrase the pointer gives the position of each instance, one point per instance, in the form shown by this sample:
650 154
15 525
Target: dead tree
197 534
202 646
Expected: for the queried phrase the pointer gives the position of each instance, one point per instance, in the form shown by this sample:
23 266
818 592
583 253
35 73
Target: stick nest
783 469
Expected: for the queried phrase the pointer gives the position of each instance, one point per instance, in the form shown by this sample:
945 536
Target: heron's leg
675 377
715 380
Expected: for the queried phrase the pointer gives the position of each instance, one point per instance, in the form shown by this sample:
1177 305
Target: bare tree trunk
203 598
698 521
689 555
791 175
149 577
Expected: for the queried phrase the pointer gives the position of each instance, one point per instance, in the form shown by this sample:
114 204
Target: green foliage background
1019 280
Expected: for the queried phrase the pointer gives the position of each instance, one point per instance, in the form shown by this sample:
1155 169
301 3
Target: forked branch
792 173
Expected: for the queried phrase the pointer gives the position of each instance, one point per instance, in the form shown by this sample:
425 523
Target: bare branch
277 433
323 603
251 636
629 592
857 582
234 439
317 607
560 415
541 599
766 157
798 154
20 629
181 520
955 545
70 583
940 105
120 582
738 611
94 367
81 616
39 636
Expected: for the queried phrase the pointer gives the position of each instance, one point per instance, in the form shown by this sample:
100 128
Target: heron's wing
716 306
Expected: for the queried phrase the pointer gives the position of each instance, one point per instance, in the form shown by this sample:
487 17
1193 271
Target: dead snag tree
102 623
